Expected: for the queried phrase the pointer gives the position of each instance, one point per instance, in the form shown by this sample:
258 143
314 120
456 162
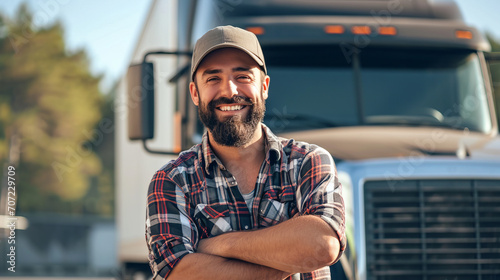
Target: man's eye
243 78
211 79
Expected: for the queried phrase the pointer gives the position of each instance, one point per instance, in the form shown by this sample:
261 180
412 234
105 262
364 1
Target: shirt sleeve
320 193
170 232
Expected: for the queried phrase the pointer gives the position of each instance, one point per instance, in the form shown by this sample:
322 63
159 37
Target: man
243 204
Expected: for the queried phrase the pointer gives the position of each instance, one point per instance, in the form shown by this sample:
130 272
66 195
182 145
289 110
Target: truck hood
365 142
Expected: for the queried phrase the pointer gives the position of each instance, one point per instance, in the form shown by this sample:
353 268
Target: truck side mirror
140 98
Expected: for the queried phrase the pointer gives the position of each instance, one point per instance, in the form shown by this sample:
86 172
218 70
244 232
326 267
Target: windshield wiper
409 120
283 120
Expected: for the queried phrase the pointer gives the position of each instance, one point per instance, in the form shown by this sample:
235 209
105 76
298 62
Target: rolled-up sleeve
170 232
320 192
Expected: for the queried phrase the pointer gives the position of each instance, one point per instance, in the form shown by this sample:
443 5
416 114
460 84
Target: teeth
231 108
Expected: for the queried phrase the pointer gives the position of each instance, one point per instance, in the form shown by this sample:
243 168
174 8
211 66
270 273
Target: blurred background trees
55 124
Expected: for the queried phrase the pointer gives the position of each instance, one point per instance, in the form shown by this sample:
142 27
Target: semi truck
398 91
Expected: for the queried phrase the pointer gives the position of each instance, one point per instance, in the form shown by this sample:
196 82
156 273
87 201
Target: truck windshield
321 87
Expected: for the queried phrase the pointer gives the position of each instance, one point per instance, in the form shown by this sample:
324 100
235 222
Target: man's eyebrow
211 71
241 69
217 71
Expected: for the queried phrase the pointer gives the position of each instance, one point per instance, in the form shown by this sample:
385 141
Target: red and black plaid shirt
195 197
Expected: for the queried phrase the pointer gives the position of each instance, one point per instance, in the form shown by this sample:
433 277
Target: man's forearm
302 244
199 266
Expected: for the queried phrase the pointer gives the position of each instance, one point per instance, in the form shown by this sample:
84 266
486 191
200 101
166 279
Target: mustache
234 100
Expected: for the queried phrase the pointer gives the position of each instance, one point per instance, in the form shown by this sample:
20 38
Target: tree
50 102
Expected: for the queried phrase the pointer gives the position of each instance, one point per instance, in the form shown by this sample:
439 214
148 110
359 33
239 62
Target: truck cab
399 92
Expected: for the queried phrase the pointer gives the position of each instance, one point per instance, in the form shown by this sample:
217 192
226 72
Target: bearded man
244 203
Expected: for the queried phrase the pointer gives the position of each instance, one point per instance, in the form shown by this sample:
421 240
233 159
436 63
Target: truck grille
433 229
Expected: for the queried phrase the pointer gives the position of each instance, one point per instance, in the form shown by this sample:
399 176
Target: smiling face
230 93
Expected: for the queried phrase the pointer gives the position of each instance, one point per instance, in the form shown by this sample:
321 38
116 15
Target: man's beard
234 131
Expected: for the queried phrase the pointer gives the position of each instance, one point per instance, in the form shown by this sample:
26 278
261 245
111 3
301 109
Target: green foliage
50 102
495 73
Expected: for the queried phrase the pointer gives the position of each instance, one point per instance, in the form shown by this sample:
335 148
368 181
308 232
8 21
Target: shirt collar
273 145
208 154
273 149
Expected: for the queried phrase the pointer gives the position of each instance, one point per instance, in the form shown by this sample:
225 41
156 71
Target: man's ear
194 93
265 87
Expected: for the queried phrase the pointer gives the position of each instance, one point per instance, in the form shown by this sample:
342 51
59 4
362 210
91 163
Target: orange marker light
387 30
257 30
334 29
361 30
463 34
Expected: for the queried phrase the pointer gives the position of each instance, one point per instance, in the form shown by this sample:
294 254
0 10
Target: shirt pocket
213 219
274 209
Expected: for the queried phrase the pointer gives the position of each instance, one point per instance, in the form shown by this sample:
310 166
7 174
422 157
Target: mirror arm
180 73
144 144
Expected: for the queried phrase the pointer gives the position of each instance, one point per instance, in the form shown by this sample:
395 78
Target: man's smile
232 107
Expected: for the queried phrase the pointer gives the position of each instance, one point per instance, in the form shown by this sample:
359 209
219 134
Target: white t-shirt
249 197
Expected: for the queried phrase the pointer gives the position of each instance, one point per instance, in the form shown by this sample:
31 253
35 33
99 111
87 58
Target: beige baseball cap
227 37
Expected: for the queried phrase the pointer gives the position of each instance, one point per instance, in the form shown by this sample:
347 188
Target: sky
108 30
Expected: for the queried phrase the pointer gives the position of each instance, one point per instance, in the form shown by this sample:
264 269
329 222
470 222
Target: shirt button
246 227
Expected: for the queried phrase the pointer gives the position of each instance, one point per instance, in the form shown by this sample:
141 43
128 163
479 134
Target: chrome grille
433 229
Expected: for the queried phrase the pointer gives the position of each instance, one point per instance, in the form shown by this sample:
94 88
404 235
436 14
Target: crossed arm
301 244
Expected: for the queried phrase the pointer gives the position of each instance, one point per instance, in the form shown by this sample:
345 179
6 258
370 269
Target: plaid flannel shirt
195 197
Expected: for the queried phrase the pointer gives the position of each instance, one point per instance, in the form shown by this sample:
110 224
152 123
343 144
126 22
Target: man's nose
229 89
